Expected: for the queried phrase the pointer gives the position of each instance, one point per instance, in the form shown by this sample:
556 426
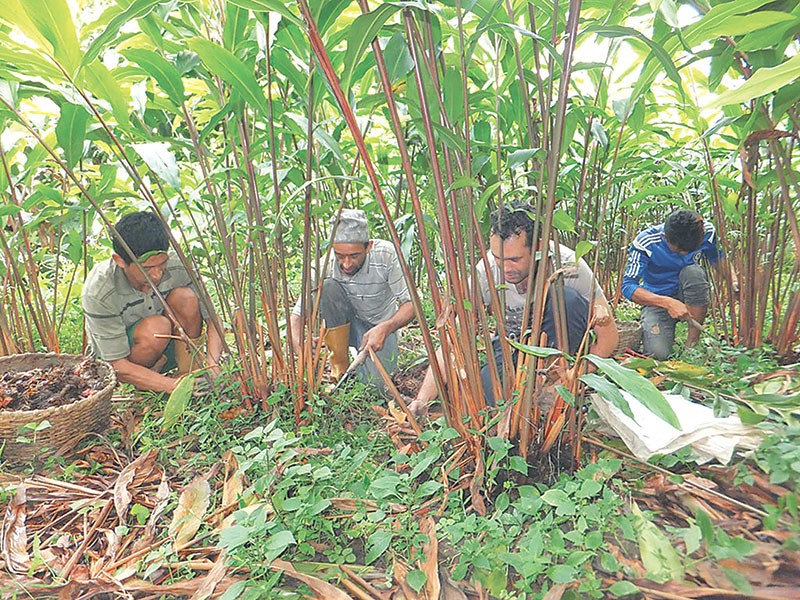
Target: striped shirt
111 305
654 267
377 289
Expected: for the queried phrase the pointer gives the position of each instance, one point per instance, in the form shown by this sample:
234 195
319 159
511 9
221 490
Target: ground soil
49 387
409 380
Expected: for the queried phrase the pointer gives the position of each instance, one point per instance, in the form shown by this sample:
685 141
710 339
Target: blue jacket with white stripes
654 267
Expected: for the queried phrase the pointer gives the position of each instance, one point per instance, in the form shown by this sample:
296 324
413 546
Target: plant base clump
49 387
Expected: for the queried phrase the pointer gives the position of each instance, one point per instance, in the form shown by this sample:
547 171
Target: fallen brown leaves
87 541
771 570
117 531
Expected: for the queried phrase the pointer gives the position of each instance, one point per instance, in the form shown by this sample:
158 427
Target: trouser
335 310
658 328
486 373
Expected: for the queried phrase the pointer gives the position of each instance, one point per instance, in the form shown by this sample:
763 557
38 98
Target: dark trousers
335 309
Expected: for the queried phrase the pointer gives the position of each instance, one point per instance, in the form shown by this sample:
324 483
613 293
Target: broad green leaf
234 536
14 13
656 190
562 574
694 34
599 133
559 500
741 25
385 486
539 351
277 544
101 82
161 161
563 221
669 11
623 588
53 21
615 31
397 57
160 69
360 34
177 402
518 157
326 13
659 557
639 387
234 591
519 464
236 19
15 62
416 579
716 18
764 81
541 41
764 39
276 6
431 455
230 69
71 132
9 209
377 544
137 9
608 391
583 248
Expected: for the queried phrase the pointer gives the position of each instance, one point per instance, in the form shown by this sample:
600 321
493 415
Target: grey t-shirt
377 289
578 277
111 305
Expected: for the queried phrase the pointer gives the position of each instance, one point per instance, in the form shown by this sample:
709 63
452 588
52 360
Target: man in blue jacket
665 276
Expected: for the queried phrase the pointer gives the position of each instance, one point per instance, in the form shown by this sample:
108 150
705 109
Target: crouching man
665 277
126 322
509 260
363 302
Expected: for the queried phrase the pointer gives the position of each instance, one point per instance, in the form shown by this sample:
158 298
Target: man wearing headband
364 299
126 323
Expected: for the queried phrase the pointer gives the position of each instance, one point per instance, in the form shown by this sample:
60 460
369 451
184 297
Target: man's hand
418 407
602 316
677 309
375 337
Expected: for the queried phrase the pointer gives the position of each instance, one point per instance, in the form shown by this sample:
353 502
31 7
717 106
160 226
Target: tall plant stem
327 68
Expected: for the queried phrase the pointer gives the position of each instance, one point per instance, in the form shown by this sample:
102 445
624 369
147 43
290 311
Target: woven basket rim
41 414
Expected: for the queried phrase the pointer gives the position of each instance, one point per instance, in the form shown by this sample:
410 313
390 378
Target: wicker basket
630 336
69 423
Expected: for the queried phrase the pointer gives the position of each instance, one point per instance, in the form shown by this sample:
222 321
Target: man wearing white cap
364 299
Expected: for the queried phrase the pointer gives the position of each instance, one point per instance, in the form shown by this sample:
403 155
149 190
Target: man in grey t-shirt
127 324
364 299
511 252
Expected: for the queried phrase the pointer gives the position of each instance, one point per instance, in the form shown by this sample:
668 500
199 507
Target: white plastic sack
709 436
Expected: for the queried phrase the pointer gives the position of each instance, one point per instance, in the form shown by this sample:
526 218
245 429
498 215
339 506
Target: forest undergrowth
215 497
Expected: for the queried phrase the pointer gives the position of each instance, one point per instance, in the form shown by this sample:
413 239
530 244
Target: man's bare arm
141 377
605 329
375 337
675 308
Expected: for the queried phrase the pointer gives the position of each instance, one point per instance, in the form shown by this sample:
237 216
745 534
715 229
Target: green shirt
111 305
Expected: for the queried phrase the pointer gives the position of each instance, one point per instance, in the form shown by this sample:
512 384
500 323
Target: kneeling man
665 276
509 261
126 323
363 302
